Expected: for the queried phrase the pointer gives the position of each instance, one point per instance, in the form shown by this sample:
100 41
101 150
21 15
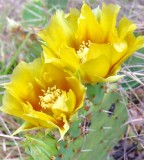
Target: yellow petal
65 128
113 52
48 53
125 26
96 67
26 126
72 20
11 105
53 35
21 84
52 79
59 33
88 26
65 104
38 118
97 50
69 56
114 70
108 79
26 112
119 50
79 91
71 102
108 22
97 12
137 44
134 43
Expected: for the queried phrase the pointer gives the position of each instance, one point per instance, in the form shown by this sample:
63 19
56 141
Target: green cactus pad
96 92
40 147
106 129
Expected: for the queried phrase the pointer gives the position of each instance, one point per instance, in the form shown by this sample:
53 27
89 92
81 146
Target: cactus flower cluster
81 47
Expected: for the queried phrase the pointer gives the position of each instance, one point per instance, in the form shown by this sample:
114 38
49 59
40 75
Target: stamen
49 97
83 50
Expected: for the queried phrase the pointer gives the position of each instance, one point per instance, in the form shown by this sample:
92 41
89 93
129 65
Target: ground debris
128 150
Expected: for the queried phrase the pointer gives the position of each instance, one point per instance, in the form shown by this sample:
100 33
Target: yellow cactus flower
44 95
91 41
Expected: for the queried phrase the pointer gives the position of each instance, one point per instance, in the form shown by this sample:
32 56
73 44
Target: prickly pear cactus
93 136
100 129
106 127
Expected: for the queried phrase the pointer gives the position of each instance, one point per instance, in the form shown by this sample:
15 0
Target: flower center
49 97
83 50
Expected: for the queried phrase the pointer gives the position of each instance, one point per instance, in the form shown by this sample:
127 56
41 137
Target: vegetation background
20 20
